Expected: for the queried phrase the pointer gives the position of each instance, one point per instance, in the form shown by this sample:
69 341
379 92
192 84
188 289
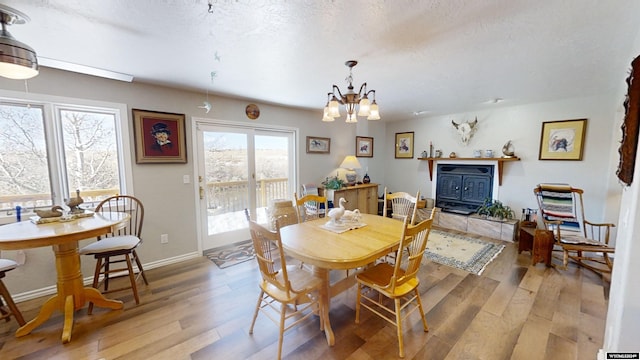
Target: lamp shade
350 162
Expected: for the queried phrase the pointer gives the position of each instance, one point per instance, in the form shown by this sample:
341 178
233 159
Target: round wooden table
63 237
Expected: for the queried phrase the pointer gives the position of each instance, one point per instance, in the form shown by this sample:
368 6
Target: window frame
52 106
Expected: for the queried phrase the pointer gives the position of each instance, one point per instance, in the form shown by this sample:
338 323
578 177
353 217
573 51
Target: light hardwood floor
194 310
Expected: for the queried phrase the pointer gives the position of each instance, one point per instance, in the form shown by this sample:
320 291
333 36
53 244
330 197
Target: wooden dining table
327 250
63 237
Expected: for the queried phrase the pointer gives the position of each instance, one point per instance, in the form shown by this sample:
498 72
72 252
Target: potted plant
495 209
333 183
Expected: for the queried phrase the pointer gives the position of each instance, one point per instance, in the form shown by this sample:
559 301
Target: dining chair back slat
402 205
310 207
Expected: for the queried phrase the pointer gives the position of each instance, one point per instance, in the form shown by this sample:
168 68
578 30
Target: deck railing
231 196
222 197
28 202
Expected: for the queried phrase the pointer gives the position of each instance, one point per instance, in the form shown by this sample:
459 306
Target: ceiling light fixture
350 100
17 60
494 101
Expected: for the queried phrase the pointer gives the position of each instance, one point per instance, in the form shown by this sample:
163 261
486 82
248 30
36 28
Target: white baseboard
50 290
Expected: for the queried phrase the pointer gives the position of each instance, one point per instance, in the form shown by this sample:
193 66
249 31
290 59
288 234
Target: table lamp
350 163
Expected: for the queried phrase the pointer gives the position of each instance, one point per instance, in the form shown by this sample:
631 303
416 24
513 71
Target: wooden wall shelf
500 161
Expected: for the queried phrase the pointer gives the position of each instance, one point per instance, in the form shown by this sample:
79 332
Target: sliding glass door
240 168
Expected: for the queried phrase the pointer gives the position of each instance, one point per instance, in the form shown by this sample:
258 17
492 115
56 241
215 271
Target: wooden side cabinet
363 197
537 241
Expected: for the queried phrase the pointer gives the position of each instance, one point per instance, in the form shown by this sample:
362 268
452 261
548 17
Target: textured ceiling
429 56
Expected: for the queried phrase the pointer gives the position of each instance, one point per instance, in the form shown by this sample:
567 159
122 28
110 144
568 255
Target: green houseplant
495 209
333 183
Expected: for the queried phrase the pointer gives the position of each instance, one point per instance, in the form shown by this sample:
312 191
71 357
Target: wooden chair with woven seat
310 207
398 282
586 243
118 247
296 290
11 309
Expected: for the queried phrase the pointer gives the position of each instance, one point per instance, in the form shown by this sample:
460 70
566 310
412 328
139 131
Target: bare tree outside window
85 158
24 174
90 150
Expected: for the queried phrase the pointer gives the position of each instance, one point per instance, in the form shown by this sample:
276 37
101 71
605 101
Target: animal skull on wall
465 130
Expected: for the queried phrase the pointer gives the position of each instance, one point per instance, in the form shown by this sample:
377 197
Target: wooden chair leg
255 313
399 326
132 278
96 281
3 312
139 264
11 305
424 318
358 299
283 313
107 261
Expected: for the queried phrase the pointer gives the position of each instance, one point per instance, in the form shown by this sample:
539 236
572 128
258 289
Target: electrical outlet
164 238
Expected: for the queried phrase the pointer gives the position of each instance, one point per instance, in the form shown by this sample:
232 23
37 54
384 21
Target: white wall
622 327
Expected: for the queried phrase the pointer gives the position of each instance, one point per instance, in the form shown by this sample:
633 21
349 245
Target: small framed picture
159 137
562 140
404 145
364 146
318 145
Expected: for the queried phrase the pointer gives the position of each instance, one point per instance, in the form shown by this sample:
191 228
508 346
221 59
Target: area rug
232 254
469 254
445 248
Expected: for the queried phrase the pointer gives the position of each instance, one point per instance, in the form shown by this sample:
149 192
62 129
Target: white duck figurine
336 213
352 215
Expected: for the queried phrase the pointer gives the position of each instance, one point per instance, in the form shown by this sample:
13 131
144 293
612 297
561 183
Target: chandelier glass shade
355 103
17 60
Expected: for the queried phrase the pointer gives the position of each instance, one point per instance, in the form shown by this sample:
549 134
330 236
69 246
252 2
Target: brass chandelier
350 100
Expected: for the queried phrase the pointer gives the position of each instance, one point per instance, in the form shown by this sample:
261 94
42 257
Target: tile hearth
474 224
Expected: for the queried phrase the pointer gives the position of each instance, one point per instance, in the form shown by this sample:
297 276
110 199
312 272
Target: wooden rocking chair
583 241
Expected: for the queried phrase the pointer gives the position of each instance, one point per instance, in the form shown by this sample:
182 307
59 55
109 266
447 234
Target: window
52 147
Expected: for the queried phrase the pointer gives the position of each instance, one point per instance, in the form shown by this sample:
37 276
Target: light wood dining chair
398 282
119 247
296 290
310 207
402 205
11 309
